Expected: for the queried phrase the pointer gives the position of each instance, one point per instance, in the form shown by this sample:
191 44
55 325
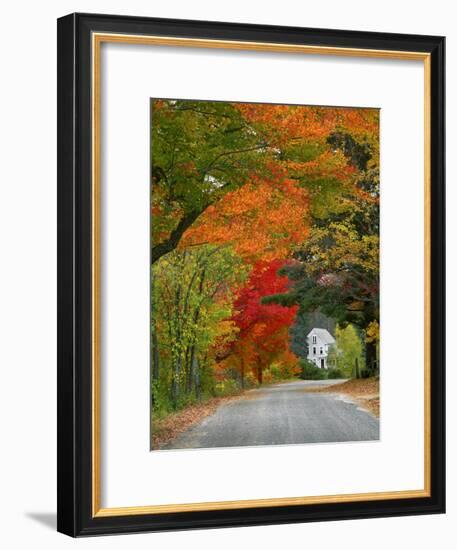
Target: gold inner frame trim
97 40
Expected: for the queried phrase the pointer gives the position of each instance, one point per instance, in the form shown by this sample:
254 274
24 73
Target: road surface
282 414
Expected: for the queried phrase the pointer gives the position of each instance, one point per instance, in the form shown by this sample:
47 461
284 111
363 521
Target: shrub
267 376
365 373
309 371
276 371
227 387
250 381
160 397
335 373
284 371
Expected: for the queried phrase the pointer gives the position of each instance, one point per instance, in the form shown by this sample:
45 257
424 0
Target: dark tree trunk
242 373
370 357
189 359
259 375
155 357
192 364
172 242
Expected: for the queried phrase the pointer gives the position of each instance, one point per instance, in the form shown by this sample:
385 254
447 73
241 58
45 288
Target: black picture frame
75 328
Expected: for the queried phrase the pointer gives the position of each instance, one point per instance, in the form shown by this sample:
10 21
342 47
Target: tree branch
171 243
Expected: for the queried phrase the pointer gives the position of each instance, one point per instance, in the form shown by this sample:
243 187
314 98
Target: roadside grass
365 391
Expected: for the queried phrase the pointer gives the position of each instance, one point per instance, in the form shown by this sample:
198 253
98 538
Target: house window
314 339
314 350
321 351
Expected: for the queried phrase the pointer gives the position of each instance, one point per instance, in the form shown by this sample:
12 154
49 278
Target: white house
319 343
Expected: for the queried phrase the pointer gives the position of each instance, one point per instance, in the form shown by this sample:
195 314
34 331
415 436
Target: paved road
282 414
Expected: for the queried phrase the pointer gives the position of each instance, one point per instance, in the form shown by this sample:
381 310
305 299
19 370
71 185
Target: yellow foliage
372 333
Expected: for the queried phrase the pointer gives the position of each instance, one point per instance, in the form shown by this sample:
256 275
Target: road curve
281 414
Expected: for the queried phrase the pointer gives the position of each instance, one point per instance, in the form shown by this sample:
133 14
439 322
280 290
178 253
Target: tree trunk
155 356
155 365
259 375
242 373
196 373
370 355
192 365
357 371
154 343
189 366
159 250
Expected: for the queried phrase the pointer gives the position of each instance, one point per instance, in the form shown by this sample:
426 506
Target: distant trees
348 351
337 267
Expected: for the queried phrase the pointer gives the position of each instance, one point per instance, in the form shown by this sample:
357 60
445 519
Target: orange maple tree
263 219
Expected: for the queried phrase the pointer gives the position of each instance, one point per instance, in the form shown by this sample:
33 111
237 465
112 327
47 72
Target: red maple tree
262 336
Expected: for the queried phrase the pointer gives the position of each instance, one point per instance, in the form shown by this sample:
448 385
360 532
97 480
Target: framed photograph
251 274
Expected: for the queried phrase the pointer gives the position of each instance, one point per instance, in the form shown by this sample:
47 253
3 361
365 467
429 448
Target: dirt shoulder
166 429
364 391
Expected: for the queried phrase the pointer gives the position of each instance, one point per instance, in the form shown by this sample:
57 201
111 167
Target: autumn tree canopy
337 266
261 215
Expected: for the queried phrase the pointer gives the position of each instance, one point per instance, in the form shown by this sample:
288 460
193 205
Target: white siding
317 350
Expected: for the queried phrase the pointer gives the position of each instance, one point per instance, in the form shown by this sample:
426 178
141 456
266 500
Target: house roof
323 335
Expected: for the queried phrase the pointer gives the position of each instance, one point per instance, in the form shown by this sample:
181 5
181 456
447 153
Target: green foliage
349 348
325 197
332 356
193 148
161 397
192 300
335 373
302 151
358 153
200 150
226 387
250 380
283 370
309 371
